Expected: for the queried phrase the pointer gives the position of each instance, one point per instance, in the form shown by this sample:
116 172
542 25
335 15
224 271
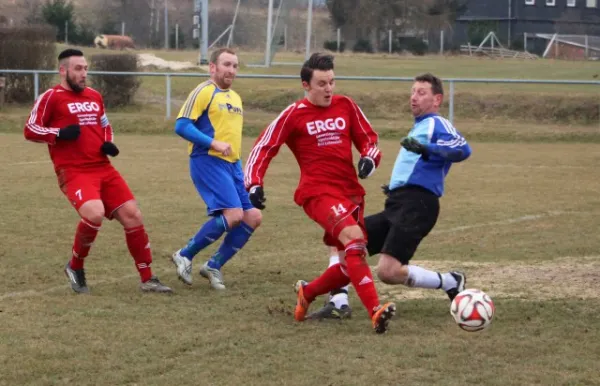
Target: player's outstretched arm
454 153
266 147
184 127
369 160
257 197
446 142
109 148
36 128
365 139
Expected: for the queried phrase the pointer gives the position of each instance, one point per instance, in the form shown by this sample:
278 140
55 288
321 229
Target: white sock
340 299
423 278
448 281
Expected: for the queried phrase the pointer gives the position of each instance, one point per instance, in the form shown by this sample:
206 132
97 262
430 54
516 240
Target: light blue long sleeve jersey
445 145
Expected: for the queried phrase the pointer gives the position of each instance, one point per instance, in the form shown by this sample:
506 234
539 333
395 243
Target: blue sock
208 234
233 242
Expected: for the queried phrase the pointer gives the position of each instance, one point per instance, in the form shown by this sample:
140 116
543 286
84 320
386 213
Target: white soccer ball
472 309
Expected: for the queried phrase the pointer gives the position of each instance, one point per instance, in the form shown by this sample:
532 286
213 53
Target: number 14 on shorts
339 210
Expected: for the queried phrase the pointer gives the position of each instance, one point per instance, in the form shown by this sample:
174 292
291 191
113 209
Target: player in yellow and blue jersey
211 120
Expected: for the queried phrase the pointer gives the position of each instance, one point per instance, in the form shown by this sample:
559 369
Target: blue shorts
219 183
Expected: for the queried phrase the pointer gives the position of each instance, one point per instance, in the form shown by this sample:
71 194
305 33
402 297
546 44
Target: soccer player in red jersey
70 118
320 130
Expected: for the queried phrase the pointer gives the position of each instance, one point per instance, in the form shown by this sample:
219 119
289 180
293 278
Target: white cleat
213 275
184 267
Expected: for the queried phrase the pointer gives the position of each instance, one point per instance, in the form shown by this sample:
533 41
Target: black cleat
330 311
382 316
77 279
461 280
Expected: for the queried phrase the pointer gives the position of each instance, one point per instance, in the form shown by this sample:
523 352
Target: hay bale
114 42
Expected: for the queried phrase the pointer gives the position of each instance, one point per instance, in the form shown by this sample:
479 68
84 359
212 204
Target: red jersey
321 139
58 108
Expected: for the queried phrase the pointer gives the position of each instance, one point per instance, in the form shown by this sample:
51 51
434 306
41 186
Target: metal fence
448 81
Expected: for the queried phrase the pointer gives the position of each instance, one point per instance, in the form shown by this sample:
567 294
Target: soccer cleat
213 275
382 316
301 303
184 267
77 279
461 280
154 285
330 311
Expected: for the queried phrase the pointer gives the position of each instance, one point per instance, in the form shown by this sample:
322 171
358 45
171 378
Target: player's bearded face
224 72
76 73
320 88
422 99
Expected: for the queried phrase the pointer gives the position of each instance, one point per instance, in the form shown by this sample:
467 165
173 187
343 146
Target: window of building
571 3
591 3
550 3
529 2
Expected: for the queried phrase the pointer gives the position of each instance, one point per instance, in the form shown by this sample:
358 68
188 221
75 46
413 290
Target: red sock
139 247
84 238
360 274
329 280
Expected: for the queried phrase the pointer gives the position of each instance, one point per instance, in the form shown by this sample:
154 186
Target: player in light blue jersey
412 205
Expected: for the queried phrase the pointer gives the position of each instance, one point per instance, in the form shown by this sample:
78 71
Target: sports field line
30 293
531 217
515 166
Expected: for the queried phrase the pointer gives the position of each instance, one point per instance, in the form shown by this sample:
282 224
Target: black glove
69 133
385 189
366 167
413 145
257 197
110 149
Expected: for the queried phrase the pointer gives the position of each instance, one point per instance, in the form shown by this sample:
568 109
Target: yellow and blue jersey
219 115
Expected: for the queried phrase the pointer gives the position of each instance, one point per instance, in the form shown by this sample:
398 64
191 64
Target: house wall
537 18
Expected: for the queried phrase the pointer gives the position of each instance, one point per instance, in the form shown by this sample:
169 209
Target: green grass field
520 218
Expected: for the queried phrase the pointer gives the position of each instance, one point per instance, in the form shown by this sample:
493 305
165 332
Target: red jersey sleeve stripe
36 118
266 139
361 116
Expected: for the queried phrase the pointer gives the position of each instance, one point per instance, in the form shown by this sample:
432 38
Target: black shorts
410 214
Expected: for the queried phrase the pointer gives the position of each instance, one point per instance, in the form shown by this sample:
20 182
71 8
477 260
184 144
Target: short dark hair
68 53
317 61
434 81
214 57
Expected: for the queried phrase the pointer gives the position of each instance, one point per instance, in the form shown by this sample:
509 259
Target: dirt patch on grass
568 277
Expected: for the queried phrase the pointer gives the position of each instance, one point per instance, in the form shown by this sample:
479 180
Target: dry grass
522 219
149 118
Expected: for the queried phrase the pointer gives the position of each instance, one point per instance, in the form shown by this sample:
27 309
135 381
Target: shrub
412 44
331 45
27 48
117 90
363 45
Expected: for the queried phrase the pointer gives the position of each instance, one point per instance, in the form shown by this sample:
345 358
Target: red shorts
335 214
104 183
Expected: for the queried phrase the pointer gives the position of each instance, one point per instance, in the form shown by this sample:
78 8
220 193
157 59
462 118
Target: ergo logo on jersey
85 107
329 124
